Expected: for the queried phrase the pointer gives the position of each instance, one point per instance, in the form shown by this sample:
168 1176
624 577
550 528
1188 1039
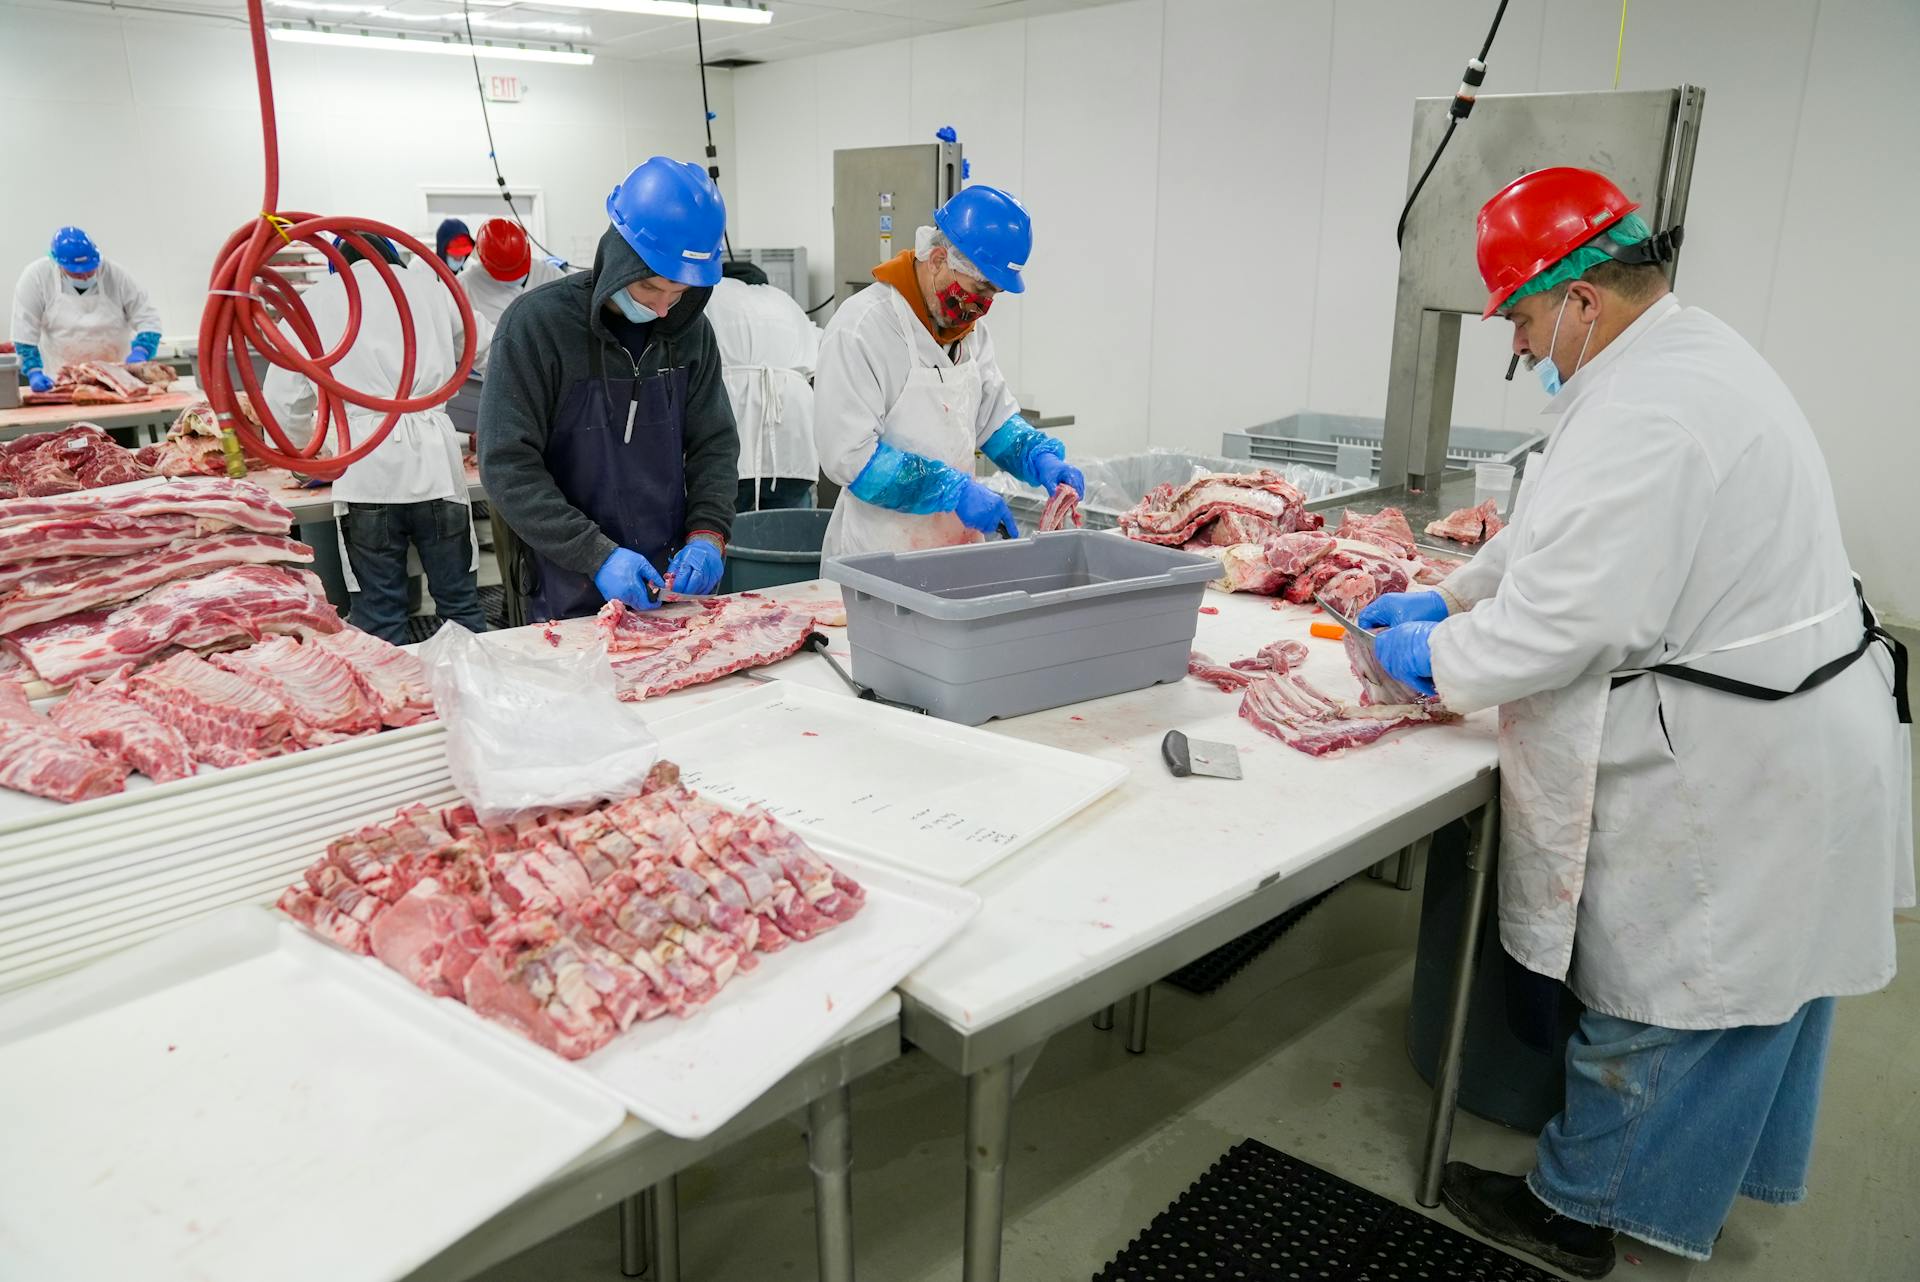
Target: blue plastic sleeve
909 483
29 354
148 339
1016 444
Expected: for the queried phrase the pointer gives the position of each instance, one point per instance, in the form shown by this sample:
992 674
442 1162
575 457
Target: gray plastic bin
1000 629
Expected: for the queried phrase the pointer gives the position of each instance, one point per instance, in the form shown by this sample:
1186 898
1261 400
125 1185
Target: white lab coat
490 297
768 348
882 377
69 326
421 457
1682 856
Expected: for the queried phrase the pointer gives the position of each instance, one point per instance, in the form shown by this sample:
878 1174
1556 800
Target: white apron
83 327
936 417
760 436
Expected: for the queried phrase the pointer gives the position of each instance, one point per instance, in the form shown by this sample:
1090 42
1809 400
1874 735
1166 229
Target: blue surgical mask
638 313
1546 371
84 283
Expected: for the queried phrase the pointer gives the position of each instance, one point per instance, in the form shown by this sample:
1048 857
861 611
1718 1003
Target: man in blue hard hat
907 389
75 305
606 441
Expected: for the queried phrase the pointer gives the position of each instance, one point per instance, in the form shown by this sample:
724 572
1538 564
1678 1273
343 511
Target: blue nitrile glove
1050 472
695 568
135 355
1396 608
1016 447
911 483
37 379
1405 655
625 576
983 510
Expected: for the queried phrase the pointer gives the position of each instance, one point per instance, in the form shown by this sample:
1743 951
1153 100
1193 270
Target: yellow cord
281 224
1621 48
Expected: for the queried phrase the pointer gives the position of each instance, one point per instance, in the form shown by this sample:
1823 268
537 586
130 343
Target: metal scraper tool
1186 756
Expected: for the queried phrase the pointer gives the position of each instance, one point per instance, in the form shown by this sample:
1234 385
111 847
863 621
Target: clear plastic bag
529 731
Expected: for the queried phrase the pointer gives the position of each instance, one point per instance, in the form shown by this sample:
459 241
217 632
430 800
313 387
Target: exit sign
503 88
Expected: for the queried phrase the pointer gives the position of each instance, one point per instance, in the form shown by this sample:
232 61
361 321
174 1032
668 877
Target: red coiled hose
235 324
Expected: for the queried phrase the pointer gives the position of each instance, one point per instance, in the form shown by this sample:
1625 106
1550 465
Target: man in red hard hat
1706 782
507 267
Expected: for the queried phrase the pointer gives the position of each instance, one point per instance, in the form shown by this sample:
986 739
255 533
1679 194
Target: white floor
1303 1051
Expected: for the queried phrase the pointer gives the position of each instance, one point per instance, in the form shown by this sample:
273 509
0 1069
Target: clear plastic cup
1493 481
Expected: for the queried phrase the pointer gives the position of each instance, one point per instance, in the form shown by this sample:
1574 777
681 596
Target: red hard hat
1538 219
502 247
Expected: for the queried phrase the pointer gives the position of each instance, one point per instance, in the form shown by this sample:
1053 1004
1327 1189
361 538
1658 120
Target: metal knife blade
1360 646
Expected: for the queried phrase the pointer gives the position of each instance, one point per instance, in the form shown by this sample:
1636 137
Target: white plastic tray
942 800
239 1101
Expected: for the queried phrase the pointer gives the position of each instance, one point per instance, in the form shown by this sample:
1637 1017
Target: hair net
1630 230
928 239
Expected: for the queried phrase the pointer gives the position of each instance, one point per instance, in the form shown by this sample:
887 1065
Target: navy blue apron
632 484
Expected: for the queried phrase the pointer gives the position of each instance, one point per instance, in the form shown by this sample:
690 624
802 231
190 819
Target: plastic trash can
774 547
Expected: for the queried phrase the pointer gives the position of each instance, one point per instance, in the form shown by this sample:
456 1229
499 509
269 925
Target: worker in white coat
508 268
1705 779
76 305
768 348
908 389
412 489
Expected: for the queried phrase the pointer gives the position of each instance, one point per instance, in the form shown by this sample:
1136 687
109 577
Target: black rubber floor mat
1258 1215
493 603
1207 974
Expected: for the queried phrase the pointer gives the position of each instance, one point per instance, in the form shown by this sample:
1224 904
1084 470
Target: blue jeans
377 536
776 494
1663 1128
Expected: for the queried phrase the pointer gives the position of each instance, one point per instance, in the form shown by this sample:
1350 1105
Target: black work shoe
1503 1208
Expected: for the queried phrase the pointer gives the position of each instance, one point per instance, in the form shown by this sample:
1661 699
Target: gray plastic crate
1116 484
1315 440
1000 629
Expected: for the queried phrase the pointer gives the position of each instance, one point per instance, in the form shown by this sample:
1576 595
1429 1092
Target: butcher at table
1705 778
76 305
605 438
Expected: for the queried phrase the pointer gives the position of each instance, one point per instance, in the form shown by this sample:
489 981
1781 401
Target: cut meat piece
226 719
1279 657
243 602
192 446
59 593
1062 510
1268 568
329 700
154 373
38 757
1386 528
397 678
628 631
745 635
1390 574
106 534
102 716
1221 678
1469 525
242 504
1175 516
96 458
40 475
1302 717
1351 590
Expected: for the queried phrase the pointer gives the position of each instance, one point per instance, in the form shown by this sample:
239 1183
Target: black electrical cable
706 117
479 88
1462 106
817 306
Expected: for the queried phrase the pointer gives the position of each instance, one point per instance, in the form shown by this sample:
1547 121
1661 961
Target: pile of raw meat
1220 509
191 447
688 641
1062 511
1278 701
104 383
171 717
81 457
571 926
1469 525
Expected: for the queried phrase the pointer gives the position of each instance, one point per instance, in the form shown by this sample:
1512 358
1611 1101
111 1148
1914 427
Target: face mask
956 298
83 283
455 264
638 313
1546 371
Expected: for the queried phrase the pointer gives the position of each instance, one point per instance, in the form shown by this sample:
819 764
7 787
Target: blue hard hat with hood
673 216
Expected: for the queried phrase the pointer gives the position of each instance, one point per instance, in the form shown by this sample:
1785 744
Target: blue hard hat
673 216
993 230
74 250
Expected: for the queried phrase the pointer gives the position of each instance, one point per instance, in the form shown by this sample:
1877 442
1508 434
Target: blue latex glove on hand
625 577
1405 654
38 380
1052 471
1395 608
695 568
983 510
136 355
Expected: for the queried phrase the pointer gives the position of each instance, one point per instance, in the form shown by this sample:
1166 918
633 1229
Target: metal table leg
1446 1078
1103 1019
989 1129
633 1236
1403 872
830 1154
1138 1007
663 1228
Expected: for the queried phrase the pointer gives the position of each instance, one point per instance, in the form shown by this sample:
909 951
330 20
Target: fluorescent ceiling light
408 44
385 15
681 9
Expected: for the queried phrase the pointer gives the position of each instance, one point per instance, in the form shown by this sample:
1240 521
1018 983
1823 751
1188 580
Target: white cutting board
942 800
689 1077
239 1101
